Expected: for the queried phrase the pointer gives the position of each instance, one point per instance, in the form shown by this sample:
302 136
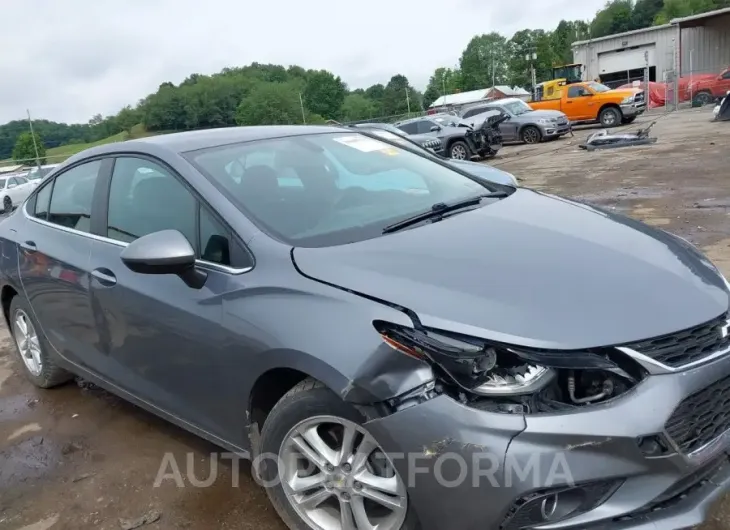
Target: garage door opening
615 79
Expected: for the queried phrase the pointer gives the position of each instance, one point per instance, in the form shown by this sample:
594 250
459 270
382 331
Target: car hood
542 114
483 171
532 270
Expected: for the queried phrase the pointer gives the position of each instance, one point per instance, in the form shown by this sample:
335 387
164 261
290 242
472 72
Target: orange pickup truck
594 102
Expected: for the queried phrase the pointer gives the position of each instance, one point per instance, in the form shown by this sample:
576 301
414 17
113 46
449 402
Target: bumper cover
532 452
633 109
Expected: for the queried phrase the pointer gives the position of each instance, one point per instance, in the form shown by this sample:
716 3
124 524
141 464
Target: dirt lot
76 457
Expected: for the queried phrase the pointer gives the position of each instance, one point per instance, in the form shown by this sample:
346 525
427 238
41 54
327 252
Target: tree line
275 94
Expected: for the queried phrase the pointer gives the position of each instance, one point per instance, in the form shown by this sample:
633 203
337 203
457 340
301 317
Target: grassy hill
61 153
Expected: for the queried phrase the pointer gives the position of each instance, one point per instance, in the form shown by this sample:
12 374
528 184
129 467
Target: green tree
270 104
615 17
399 97
683 8
443 81
357 107
128 118
324 94
644 13
524 44
24 149
484 60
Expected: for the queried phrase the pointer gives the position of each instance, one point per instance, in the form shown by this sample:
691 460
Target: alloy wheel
27 340
458 152
531 135
7 204
336 477
610 118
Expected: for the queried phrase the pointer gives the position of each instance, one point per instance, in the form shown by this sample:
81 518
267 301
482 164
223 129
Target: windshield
330 189
517 107
446 120
598 87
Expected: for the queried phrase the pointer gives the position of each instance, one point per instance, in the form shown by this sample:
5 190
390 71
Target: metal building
699 44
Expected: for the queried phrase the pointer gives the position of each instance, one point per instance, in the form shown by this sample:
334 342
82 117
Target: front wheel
610 117
702 98
531 135
460 151
7 204
324 470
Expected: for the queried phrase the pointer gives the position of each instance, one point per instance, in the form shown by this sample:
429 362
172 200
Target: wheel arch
610 106
6 297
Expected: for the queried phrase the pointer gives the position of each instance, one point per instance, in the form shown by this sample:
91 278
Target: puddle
14 407
30 459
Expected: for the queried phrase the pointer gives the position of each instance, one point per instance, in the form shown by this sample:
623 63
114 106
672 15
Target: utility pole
408 101
35 145
494 74
301 104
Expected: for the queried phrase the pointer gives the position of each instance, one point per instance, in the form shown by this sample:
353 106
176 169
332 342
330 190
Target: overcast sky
67 60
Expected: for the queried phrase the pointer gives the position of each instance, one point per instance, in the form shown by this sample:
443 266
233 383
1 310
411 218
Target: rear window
330 189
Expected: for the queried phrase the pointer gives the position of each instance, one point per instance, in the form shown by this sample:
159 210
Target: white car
37 173
14 190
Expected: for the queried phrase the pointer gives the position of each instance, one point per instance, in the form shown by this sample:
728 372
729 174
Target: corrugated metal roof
709 14
618 35
461 98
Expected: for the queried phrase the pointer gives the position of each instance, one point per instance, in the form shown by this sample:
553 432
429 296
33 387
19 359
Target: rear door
163 340
54 260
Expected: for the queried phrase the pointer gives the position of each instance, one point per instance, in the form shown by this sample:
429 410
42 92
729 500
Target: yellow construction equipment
562 75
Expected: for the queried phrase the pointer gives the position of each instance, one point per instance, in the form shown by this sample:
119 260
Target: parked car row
385 329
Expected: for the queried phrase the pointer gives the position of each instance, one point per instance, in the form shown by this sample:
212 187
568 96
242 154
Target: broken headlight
471 363
483 368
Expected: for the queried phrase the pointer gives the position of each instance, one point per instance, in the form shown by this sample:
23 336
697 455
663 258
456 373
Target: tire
309 400
531 135
459 151
49 374
7 204
703 98
610 117
627 121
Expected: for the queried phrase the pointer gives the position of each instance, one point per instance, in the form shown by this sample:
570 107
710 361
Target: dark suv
459 140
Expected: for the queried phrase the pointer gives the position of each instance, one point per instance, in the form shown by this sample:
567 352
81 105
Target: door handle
30 246
105 276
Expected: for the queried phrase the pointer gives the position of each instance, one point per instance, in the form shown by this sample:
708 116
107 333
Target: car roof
194 140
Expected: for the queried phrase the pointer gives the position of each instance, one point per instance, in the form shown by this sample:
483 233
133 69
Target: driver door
580 104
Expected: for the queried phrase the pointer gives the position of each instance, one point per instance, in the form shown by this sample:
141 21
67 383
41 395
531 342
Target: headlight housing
627 100
547 121
488 369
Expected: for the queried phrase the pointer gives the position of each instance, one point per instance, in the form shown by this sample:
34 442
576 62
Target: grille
639 97
701 417
687 346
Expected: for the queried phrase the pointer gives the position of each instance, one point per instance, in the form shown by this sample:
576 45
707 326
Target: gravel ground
77 457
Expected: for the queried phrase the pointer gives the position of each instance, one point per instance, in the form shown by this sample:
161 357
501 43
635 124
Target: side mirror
435 128
164 252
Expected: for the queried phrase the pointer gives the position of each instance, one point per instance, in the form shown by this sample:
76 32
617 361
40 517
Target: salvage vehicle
721 112
460 140
593 102
427 141
476 169
441 353
523 123
706 89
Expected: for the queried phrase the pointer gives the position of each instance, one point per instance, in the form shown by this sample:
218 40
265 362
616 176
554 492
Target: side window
726 75
42 200
577 91
144 198
21 180
424 126
12 182
473 112
409 128
71 197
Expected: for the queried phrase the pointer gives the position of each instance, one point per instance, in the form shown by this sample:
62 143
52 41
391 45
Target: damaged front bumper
633 109
468 468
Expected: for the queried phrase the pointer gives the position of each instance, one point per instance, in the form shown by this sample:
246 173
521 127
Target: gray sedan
396 345
524 124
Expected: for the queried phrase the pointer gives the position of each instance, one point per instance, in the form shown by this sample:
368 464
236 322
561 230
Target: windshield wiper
437 211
